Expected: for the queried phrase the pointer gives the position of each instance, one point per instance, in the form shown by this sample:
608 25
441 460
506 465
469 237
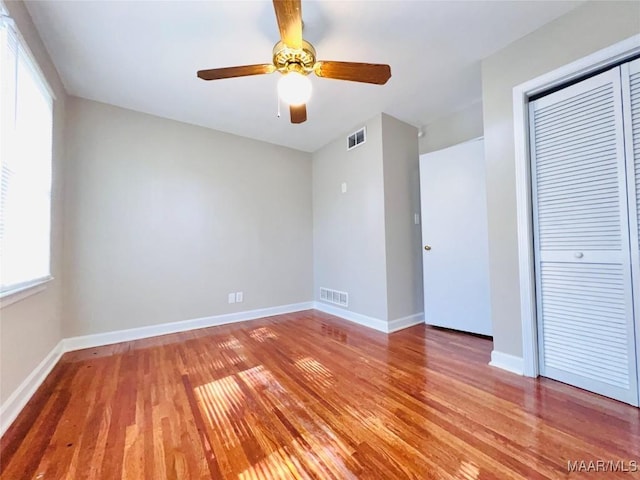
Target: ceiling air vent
334 296
356 138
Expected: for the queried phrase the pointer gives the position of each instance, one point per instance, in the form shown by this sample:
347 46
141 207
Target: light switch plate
232 298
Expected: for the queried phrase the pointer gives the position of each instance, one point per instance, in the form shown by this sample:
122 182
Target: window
26 123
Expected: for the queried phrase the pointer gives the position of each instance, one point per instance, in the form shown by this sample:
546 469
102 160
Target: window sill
23 291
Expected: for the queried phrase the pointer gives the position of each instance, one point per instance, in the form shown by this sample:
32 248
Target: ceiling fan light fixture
294 88
295 59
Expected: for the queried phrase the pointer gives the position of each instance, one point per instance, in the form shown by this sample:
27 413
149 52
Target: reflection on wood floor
307 395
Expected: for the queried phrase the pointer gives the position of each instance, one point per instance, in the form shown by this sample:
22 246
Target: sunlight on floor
230 344
258 377
234 358
262 334
221 400
314 371
468 471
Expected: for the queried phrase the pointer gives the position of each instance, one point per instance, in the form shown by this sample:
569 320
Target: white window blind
26 123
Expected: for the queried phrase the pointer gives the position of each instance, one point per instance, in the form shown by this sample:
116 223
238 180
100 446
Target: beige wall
587 29
453 129
30 328
365 242
348 228
165 219
401 203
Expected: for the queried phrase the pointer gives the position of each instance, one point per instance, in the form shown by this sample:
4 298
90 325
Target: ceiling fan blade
298 113
230 72
289 16
355 72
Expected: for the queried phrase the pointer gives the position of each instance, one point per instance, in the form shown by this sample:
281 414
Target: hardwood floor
307 395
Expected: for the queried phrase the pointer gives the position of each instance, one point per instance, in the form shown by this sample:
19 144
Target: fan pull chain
278 100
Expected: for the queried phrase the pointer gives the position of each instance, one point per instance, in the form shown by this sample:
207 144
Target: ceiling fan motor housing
301 60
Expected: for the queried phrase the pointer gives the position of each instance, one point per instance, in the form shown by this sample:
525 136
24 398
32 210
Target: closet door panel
631 109
583 276
635 114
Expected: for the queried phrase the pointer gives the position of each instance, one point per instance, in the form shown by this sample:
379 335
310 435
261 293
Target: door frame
521 94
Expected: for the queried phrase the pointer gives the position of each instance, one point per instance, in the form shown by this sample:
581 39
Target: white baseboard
13 405
364 320
371 322
405 322
507 362
108 338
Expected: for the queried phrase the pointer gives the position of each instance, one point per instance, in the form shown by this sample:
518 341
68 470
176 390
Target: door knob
427 247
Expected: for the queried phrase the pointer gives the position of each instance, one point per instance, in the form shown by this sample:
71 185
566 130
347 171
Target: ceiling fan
295 58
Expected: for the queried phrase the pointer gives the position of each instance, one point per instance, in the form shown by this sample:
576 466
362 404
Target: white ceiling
143 55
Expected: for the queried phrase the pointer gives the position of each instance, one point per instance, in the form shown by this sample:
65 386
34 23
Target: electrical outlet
232 298
239 297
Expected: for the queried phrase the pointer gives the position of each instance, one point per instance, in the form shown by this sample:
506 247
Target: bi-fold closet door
585 160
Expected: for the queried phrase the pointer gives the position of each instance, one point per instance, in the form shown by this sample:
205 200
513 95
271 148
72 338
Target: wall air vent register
334 296
357 138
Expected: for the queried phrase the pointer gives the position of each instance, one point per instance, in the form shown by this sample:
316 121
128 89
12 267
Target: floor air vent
334 296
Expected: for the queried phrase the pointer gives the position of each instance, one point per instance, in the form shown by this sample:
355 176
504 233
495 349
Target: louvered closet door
581 230
631 109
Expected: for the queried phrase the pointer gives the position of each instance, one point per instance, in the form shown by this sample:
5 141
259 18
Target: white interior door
581 234
454 228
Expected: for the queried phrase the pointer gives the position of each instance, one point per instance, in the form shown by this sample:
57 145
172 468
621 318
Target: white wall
165 219
30 328
348 228
584 30
453 129
401 203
